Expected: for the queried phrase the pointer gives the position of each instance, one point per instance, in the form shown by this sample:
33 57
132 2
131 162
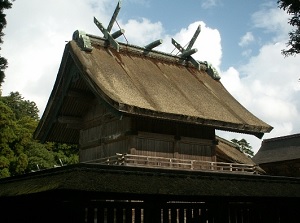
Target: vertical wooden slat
152 212
81 214
189 214
196 213
119 215
100 215
232 215
251 214
110 215
173 215
128 214
181 214
247 215
209 214
137 215
74 212
220 213
166 215
90 215
241 214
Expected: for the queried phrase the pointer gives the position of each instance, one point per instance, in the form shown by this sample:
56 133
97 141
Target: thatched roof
135 82
229 150
278 149
133 181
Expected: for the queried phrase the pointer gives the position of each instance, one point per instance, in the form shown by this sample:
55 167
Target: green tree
4 4
21 107
15 135
19 152
292 7
65 154
244 146
39 156
7 136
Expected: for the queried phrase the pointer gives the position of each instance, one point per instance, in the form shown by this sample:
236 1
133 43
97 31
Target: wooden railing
174 163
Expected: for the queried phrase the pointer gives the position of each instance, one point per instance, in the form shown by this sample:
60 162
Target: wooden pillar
152 211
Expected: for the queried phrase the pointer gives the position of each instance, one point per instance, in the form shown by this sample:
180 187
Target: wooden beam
81 96
72 122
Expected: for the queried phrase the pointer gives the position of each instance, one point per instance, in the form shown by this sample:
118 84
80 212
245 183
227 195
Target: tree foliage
244 146
292 7
19 152
21 107
4 4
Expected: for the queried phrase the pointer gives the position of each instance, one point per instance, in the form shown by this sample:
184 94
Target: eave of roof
278 149
152 84
144 181
159 85
285 138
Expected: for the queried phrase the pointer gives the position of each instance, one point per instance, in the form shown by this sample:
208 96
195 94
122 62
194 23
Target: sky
241 39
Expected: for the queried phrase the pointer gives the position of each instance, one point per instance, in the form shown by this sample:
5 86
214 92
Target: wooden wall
151 144
106 134
289 168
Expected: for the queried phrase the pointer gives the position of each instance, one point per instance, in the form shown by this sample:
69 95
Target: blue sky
233 19
242 39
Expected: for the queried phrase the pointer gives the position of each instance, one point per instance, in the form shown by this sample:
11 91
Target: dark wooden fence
157 212
183 212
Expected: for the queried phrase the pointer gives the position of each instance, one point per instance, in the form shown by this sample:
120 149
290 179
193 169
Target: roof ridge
97 40
282 137
230 143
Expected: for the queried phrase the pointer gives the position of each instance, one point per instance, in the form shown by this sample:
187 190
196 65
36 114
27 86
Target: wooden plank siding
148 144
105 134
152 145
158 145
176 129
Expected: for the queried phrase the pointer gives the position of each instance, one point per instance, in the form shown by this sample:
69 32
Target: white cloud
274 20
267 84
37 33
246 39
142 32
247 53
209 3
268 90
35 39
208 43
235 85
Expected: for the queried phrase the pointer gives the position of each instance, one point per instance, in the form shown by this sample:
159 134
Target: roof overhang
120 81
135 182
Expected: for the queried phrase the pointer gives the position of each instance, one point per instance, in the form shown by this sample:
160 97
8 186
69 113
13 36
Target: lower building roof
103 179
278 149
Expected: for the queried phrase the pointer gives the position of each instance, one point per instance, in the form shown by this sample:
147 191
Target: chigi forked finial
106 31
186 53
111 37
